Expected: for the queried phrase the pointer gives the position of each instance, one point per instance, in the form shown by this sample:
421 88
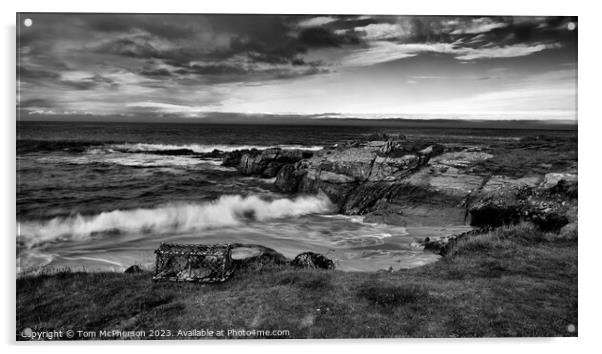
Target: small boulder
133 269
252 256
439 245
312 260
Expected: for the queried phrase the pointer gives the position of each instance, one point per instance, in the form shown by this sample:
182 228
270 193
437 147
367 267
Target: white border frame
589 130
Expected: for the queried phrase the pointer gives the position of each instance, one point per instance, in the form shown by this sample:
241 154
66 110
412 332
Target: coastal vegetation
514 281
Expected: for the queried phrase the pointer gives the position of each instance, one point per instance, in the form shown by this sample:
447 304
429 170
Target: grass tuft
479 244
504 237
524 233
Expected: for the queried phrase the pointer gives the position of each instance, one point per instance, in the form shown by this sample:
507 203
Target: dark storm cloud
529 30
264 37
25 73
267 29
212 69
37 102
256 45
137 48
169 27
250 73
493 29
283 51
323 37
79 85
155 72
173 62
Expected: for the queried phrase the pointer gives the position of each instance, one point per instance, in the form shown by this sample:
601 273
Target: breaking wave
228 210
200 148
30 146
134 160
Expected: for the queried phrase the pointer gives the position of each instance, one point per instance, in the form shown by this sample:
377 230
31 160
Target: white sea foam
226 211
358 219
260 179
201 148
144 160
380 236
135 160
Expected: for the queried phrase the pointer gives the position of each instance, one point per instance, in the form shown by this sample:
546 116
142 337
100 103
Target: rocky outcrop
547 201
416 183
264 163
376 161
404 204
371 178
447 173
288 178
232 158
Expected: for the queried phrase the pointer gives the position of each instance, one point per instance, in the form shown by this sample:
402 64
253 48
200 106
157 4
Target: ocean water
103 196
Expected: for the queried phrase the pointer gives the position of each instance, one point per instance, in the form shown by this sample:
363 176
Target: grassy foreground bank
515 281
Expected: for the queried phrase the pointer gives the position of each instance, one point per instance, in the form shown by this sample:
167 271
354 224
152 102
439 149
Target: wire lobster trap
193 263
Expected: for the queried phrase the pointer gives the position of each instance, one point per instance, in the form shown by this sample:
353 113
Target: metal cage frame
193 262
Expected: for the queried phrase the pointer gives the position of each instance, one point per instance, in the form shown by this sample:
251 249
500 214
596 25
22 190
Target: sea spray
228 210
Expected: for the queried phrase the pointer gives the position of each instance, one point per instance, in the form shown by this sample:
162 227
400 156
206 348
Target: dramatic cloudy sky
362 66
